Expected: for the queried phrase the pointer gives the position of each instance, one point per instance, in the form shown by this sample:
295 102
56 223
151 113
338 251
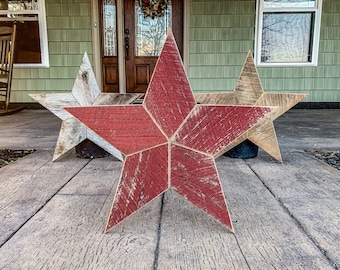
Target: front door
144 31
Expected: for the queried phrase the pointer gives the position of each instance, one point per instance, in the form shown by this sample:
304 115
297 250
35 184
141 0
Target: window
287 32
31 40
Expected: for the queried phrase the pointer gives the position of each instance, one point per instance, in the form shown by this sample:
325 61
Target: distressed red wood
151 135
249 91
129 128
223 123
194 176
144 177
169 97
85 92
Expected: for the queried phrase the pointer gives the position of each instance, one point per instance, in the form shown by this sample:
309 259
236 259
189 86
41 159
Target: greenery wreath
153 8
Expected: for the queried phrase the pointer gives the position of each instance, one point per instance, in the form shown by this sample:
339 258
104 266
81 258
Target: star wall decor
249 91
169 141
85 92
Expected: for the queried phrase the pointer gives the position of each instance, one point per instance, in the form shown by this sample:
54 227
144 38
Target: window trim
260 10
41 13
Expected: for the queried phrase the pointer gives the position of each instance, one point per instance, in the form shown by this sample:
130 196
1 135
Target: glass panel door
150 29
109 28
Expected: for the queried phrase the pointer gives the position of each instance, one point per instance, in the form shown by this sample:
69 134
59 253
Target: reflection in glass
286 37
109 28
288 3
151 32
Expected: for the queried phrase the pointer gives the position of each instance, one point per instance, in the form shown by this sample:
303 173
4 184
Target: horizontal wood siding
222 32
69 36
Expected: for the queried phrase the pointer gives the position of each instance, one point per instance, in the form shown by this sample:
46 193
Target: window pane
286 37
109 29
289 3
151 32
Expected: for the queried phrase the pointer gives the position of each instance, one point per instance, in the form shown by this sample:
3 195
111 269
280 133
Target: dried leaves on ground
8 156
332 158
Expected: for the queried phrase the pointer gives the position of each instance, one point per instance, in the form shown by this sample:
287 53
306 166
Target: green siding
222 32
69 36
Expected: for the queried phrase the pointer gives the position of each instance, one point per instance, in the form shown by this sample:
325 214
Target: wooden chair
7 45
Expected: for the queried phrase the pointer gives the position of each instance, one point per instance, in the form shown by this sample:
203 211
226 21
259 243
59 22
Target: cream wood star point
85 92
249 91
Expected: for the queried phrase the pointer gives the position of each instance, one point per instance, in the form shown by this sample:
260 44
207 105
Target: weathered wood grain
211 129
27 185
194 176
71 133
85 92
145 177
169 98
128 128
55 103
67 233
85 89
116 99
248 88
249 91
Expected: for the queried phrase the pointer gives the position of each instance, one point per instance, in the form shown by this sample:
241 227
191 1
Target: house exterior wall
69 36
221 33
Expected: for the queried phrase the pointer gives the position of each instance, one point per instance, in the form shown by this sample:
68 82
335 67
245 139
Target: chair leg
8 95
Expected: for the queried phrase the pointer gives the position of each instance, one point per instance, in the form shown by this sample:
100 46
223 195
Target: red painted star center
169 141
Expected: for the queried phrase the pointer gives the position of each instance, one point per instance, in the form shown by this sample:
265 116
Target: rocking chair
7 45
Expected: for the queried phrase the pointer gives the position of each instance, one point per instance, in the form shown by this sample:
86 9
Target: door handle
127 48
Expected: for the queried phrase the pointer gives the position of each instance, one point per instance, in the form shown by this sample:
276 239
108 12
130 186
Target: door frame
97 65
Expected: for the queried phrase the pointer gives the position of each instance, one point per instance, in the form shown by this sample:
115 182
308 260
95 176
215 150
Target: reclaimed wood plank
129 128
194 176
311 194
211 129
117 99
145 176
26 185
249 91
85 88
67 233
169 98
55 103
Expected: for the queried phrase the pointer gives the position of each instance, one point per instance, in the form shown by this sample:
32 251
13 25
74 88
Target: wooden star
169 141
249 91
85 92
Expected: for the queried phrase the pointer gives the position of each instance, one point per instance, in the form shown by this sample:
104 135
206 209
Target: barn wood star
169 141
85 92
249 91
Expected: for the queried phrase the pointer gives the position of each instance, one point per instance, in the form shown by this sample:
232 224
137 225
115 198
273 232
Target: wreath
153 8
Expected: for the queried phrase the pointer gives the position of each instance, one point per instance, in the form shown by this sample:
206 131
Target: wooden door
143 40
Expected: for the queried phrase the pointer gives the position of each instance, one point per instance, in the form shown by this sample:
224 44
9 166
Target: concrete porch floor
286 216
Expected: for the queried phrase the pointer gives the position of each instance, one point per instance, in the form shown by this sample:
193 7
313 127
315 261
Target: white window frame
41 14
260 10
